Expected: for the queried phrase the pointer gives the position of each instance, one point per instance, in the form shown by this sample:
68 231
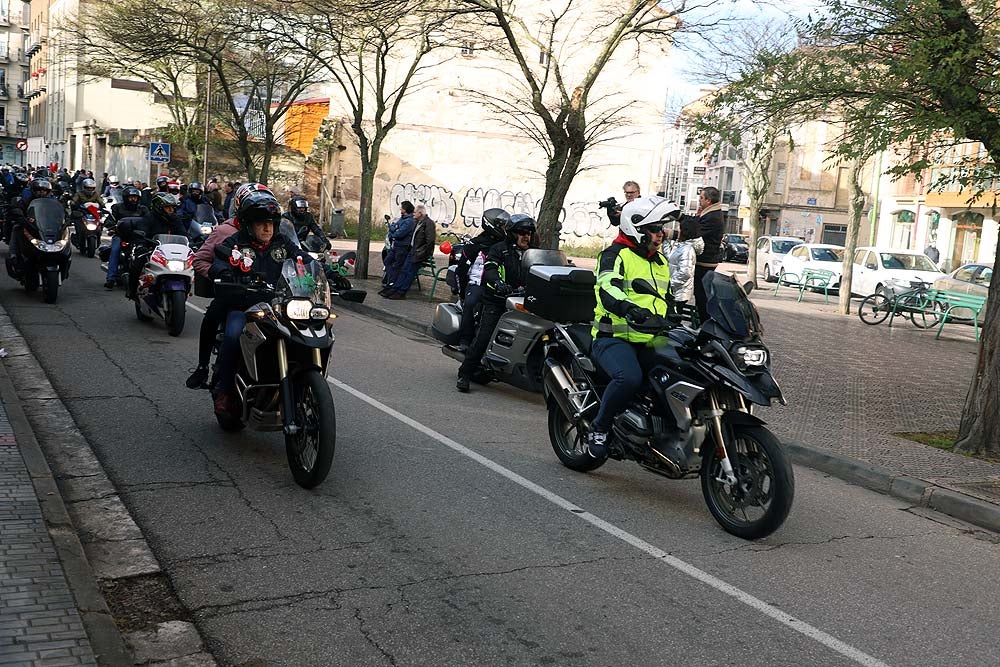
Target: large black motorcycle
43 249
281 376
694 414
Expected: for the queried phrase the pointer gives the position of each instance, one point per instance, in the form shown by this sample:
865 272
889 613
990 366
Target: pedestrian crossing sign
159 152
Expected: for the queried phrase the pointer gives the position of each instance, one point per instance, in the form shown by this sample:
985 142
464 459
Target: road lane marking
195 308
814 633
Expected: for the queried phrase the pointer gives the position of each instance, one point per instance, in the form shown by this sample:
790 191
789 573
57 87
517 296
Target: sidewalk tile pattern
39 622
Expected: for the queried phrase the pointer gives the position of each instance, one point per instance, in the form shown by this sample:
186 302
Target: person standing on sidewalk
400 235
712 222
421 250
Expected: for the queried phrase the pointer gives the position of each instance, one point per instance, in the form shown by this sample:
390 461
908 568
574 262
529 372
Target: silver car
972 278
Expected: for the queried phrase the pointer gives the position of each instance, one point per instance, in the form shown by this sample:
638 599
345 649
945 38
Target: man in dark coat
712 221
421 249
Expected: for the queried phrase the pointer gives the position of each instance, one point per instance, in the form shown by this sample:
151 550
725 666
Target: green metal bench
816 280
430 270
957 301
789 279
943 304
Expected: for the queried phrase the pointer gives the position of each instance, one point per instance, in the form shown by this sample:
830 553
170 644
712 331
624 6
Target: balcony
31 47
4 92
21 94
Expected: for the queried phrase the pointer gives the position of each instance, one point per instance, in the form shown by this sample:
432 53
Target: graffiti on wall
579 219
439 201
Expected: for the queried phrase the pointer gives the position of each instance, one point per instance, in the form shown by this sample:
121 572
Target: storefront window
902 230
968 234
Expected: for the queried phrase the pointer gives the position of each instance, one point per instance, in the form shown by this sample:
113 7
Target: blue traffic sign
159 152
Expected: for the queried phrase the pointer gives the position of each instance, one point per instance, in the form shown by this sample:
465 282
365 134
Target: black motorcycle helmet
40 187
195 191
495 221
160 202
132 196
520 223
299 205
256 208
161 183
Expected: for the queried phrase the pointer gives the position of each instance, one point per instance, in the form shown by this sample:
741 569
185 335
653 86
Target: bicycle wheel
930 314
874 309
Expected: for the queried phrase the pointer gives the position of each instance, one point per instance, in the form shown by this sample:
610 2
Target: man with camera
614 209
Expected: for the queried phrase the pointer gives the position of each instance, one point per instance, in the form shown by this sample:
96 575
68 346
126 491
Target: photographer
614 209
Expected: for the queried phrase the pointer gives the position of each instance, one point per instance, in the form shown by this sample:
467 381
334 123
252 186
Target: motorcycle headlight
298 309
176 265
319 313
751 356
91 226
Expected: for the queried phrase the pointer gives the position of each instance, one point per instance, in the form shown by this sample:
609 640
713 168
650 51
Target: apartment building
14 78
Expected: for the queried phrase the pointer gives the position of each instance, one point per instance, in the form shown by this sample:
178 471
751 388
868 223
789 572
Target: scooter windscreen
48 216
287 229
304 281
729 306
204 214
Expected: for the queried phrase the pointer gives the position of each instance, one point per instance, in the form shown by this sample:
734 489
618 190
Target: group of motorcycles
694 415
287 341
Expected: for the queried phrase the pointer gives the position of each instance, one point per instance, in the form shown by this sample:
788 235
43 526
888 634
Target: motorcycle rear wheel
567 442
310 451
51 287
174 312
762 497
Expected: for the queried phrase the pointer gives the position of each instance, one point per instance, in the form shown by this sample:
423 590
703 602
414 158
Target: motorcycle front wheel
310 451
51 287
91 246
174 315
759 502
567 442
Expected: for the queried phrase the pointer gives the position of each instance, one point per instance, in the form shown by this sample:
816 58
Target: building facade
14 79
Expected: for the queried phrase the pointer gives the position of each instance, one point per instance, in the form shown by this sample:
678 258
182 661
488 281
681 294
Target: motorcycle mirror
387 218
748 287
353 295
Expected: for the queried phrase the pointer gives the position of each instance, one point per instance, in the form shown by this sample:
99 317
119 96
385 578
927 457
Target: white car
890 271
771 251
814 256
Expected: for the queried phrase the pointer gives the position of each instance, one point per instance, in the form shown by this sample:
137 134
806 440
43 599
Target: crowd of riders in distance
245 246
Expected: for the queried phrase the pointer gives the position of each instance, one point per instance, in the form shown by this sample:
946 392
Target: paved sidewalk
39 621
850 388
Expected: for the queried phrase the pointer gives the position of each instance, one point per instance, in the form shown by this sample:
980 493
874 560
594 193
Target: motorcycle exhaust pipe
453 352
561 387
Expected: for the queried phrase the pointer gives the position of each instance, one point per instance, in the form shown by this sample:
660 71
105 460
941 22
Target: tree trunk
368 168
558 179
755 205
851 243
980 429
195 158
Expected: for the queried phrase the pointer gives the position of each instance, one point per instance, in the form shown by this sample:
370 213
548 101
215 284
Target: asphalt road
448 533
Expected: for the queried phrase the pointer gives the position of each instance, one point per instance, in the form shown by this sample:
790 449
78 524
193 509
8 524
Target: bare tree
556 61
255 80
375 53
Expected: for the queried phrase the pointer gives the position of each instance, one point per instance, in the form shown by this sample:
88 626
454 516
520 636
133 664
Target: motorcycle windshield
539 257
314 243
729 306
307 281
171 238
205 213
287 229
48 215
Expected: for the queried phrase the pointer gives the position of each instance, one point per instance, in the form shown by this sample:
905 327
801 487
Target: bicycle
915 304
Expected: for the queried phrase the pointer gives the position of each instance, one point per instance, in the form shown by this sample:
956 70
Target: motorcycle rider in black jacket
503 273
494 226
161 219
303 221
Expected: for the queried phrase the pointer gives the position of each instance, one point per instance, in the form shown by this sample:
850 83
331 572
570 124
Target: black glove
518 292
637 315
226 276
503 290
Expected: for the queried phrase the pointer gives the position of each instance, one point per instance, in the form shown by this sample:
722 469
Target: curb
854 471
105 639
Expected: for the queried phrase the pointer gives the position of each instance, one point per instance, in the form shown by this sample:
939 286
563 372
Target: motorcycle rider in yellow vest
619 349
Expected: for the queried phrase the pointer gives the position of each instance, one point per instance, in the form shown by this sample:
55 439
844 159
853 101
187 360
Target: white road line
195 308
831 642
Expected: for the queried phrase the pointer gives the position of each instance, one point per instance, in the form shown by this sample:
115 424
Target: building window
3 118
468 49
779 178
544 57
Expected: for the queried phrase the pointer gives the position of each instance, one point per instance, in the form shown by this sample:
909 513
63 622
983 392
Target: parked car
735 248
815 256
771 251
890 271
971 278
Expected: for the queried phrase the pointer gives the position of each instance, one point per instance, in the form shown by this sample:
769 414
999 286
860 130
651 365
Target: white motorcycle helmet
644 211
